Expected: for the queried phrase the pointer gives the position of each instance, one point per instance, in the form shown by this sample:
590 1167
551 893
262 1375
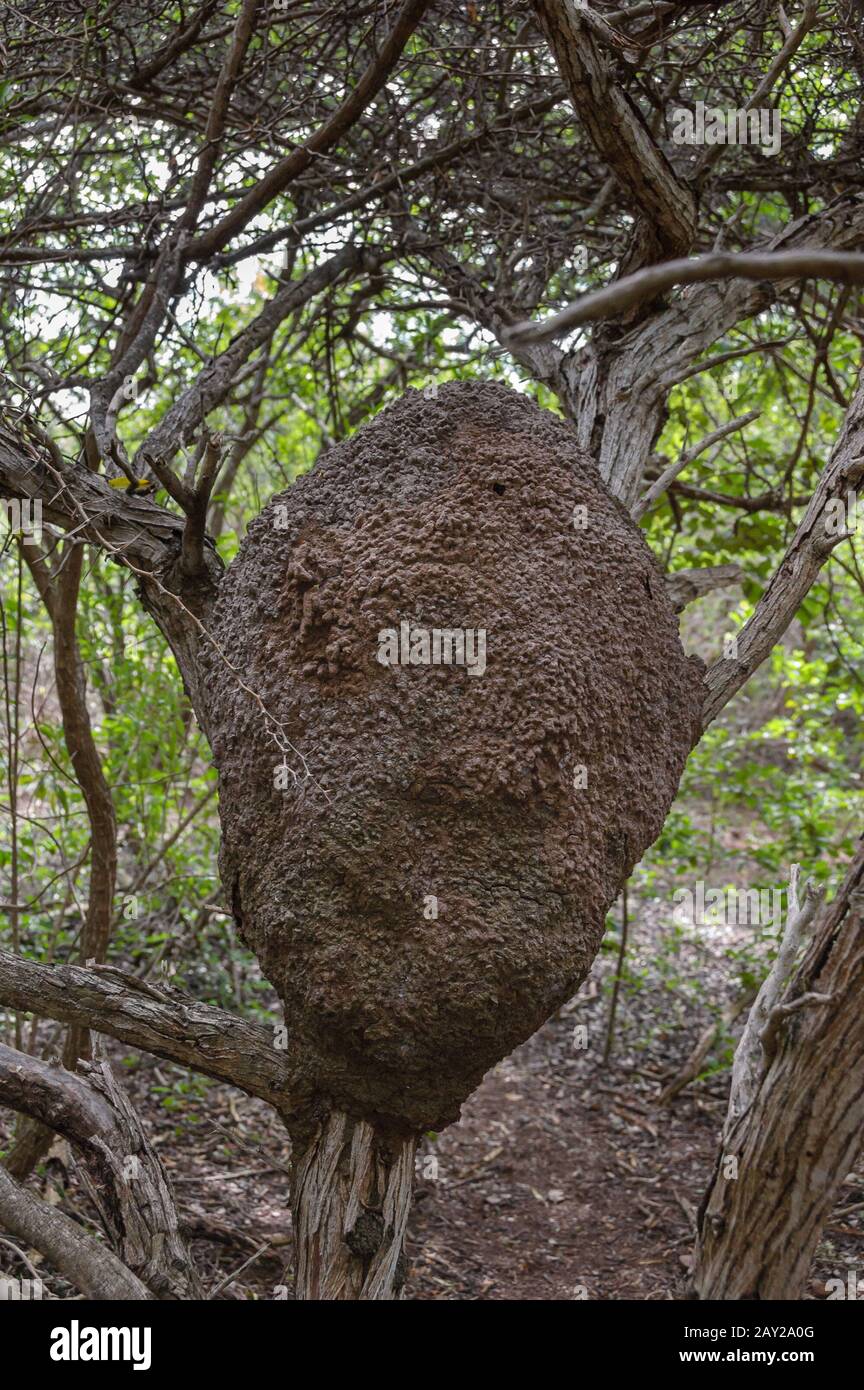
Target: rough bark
665 206
800 1135
166 1021
352 1196
92 1268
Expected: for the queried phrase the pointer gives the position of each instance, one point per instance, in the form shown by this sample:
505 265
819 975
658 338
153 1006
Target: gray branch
750 1059
167 1022
91 1267
793 578
847 268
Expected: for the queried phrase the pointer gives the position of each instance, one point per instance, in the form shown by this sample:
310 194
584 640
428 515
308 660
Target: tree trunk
352 1196
793 1147
60 596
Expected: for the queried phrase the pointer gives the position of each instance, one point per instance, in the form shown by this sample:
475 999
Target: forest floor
563 1180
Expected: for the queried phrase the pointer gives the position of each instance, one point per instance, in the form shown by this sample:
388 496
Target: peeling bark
124 1173
801 1133
352 1197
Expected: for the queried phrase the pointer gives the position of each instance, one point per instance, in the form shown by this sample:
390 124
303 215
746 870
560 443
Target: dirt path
561 1181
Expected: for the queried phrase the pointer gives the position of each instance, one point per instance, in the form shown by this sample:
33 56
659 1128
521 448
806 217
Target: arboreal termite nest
518 798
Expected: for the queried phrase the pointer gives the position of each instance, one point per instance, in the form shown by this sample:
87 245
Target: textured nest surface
411 782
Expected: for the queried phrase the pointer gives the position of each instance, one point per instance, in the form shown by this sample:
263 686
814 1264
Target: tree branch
243 31
684 586
749 1061
794 576
666 206
126 1177
277 179
166 1022
792 43
616 394
443 157
60 595
212 385
845 267
133 531
92 1268
668 476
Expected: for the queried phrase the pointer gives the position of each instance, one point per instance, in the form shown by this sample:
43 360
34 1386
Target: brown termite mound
422 855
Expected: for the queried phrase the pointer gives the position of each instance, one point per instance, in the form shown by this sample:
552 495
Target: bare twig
669 474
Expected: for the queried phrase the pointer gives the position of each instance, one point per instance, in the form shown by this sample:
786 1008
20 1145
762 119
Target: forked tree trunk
352 1196
800 1137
